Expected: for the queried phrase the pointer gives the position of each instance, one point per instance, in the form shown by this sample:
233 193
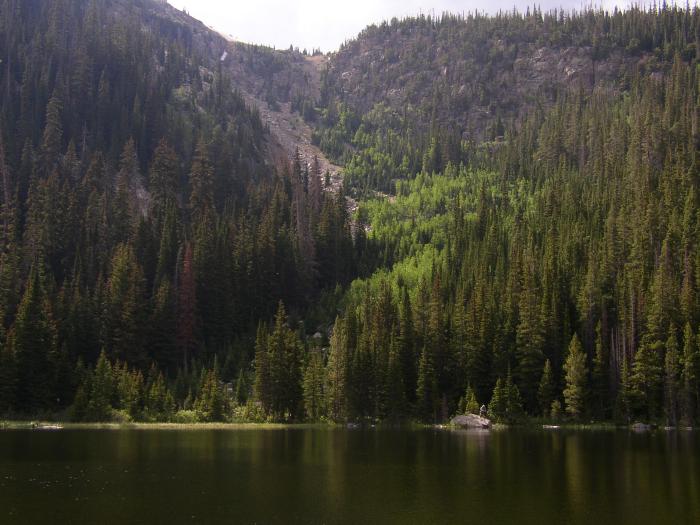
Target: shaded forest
141 217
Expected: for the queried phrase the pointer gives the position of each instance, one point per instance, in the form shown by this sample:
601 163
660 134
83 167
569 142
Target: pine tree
284 368
163 180
126 203
395 389
130 386
201 183
33 340
163 327
123 309
471 405
315 191
8 212
547 389
314 382
101 391
427 390
337 372
646 380
529 342
689 375
576 376
52 144
263 386
555 410
625 394
186 307
406 348
600 376
211 403
8 378
241 390
506 404
514 404
499 404
672 379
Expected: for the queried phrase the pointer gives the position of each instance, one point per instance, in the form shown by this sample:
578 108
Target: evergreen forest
517 224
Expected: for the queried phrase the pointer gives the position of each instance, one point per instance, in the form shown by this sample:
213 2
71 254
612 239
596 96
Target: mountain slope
145 216
546 268
462 82
163 260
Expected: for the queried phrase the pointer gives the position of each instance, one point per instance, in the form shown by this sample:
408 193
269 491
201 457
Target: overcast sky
328 23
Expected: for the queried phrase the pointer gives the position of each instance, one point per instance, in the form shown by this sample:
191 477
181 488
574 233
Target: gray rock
640 427
470 421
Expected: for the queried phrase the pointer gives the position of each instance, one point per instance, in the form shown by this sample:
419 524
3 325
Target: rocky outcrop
470 421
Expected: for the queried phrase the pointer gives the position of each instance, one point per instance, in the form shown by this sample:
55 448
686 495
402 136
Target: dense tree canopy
526 238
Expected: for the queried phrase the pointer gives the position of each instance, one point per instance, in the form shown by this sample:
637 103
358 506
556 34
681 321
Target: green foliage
547 390
211 403
506 404
672 377
625 394
647 381
690 376
427 392
145 233
600 377
576 377
337 372
241 390
471 405
314 386
278 370
33 344
140 214
102 391
555 411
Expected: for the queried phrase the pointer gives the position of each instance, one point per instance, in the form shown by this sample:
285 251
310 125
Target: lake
333 475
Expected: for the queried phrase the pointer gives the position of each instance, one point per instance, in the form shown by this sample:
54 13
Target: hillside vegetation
527 236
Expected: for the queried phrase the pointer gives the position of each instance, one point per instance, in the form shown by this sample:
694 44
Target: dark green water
324 475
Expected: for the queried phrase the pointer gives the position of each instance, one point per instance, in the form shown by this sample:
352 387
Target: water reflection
332 475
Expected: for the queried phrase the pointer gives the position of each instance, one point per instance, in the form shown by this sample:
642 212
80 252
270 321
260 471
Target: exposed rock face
478 72
470 421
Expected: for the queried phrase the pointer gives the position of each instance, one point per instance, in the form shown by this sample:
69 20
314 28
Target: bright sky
328 23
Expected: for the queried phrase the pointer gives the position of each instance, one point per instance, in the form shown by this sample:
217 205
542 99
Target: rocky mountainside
469 73
285 87
277 83
460 79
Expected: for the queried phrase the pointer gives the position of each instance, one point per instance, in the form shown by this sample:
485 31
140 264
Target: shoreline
48 425
53 425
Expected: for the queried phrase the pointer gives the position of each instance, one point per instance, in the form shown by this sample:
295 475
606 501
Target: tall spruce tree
576 376
33 340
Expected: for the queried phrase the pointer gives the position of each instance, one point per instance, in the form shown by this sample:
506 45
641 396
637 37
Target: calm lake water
325 475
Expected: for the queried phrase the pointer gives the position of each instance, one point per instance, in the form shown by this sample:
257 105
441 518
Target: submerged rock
470 421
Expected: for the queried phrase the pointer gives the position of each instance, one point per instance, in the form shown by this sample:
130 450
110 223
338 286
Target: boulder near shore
470 421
